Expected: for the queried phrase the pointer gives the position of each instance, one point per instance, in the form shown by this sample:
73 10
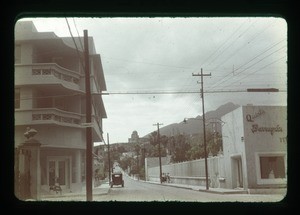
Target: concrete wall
26 53
191 172
233 147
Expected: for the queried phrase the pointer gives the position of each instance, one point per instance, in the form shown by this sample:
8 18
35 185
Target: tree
126 162
153 151
214 143
195 152
153 138
181 149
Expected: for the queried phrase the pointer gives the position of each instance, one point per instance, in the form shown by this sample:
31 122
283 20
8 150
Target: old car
117 179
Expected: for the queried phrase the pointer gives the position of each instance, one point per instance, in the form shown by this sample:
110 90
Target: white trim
261 181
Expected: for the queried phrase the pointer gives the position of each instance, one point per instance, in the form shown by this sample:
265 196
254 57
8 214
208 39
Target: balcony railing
39 116
57 71
46 73
55 115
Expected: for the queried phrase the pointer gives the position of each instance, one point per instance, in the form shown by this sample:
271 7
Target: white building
50 97
255 148
254 155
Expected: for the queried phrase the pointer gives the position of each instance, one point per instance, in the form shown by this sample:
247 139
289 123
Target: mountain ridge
194 126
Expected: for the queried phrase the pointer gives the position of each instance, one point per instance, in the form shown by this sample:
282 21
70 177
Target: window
17 98
272 167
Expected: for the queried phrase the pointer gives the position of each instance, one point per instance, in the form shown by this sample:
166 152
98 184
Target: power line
140 93
247 43
149 63
223 44
79 57
229 74
256 71
78 34
231 43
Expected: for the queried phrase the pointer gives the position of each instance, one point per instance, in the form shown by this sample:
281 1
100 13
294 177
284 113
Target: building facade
255 147
50 97
254 157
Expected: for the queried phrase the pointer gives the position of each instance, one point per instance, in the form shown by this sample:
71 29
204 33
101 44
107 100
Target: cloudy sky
158 55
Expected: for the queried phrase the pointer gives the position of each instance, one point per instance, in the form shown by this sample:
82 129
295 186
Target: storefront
255 148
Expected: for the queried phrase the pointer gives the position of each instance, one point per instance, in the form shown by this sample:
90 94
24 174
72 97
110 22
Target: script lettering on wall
251 118
256 128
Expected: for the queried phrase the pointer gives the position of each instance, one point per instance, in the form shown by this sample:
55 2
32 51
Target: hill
193 126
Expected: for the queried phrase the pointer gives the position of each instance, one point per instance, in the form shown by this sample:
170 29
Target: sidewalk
103 189
201 188
197 187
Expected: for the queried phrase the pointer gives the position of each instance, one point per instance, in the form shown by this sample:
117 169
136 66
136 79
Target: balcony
47 116
46 73
54 116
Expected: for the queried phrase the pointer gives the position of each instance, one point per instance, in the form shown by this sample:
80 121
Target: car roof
117 173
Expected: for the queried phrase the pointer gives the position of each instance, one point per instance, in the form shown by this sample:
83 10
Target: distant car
117 179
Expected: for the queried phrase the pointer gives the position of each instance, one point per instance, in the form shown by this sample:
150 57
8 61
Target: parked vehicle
117 179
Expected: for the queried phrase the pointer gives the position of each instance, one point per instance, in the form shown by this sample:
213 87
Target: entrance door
237 180
58 172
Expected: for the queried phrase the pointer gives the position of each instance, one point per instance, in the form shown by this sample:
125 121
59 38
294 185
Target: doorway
58 171
237 172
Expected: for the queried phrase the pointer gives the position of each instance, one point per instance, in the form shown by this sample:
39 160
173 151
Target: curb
199 189
96 191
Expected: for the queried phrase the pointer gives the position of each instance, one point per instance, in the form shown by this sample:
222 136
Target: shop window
272 167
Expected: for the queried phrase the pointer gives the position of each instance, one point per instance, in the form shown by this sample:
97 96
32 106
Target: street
140 191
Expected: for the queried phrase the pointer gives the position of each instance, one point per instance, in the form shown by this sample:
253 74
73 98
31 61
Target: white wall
247 135
262 141
233 146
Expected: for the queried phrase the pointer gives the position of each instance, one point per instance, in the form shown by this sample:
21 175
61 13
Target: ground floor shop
63 167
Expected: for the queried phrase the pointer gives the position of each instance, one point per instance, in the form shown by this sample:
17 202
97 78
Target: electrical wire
79 57
82 48
228 76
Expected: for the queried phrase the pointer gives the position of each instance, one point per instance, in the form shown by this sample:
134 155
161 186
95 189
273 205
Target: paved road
139 191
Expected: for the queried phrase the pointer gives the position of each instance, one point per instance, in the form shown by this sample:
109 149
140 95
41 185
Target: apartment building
50 98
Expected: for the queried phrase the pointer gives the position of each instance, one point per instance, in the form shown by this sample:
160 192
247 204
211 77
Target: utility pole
159 155
137 161
204 130
88 105
108 156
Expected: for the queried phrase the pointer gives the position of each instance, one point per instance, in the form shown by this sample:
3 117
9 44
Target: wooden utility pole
108 157
88 106
159 153
204 130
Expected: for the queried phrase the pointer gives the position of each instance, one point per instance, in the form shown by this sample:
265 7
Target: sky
152 60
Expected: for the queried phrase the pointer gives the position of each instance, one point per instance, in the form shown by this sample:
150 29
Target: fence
192 172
